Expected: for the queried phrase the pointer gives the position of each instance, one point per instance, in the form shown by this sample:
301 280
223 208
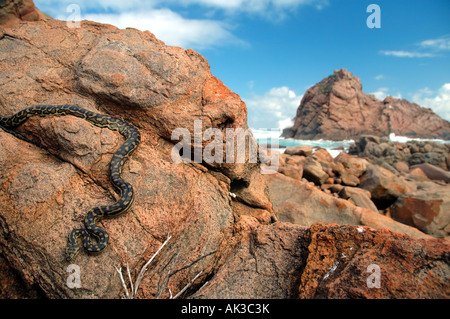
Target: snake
94 239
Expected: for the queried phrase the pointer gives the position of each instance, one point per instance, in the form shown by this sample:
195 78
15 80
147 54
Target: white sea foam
405 139
272 137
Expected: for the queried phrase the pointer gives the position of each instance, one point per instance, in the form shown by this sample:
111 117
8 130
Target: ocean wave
272 137
405 139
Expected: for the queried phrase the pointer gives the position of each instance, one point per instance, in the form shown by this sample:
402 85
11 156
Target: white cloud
273 109
407 54
439 44
288 122
381 93
438 101
163 17
426 49
265 7
379 77
262 7
58 8
172 28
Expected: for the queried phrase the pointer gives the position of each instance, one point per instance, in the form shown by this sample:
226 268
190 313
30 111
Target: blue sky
271 51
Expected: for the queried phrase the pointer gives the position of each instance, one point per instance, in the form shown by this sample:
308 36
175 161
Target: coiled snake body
94 238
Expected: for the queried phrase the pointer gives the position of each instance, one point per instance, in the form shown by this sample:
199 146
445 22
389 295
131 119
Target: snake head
72 251
73 248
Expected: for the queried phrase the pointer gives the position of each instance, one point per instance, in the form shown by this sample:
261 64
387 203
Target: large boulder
433 172
385 187
323 156
359 197
304 204
283 260
428 209
303 150
313 171
47 188
354 165
292 171
13 10
360 262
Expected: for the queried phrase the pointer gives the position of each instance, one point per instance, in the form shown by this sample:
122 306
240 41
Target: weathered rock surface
302 203
267 262
360 262
427 208
283 260
304 150
358 196
384 186
47 190
407 195
433 172
13 10
336 109
312 170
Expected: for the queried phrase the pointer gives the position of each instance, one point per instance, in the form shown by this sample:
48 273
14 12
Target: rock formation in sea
225 234
336 108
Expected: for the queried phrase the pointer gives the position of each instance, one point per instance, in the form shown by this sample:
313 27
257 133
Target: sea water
272 137
404 139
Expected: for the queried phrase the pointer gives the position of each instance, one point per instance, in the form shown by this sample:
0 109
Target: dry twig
185 287
135 287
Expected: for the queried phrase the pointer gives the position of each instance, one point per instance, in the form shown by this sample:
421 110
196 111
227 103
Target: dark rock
411 153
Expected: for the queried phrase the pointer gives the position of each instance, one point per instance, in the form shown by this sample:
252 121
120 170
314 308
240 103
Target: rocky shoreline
401 157
406 182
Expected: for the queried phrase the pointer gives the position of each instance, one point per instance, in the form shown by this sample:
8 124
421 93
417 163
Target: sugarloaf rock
336 108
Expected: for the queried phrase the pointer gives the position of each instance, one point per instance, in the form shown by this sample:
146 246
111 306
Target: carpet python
94 238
